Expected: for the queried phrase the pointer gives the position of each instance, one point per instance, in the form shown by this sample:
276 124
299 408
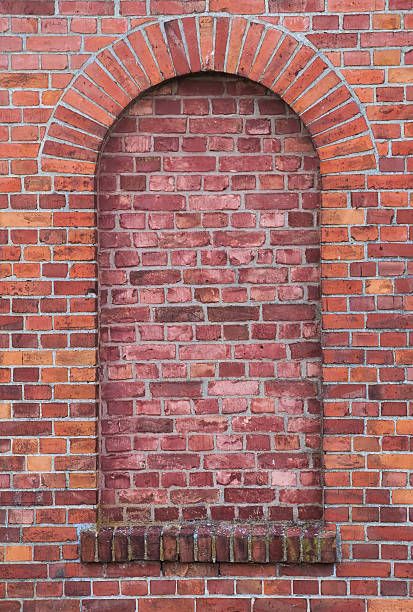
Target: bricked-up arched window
208 201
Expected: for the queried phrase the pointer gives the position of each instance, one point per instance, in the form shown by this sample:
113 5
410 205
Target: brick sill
206 543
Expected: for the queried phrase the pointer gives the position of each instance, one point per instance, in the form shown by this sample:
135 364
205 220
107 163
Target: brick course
69 69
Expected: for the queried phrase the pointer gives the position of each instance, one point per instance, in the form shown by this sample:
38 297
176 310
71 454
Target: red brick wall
210 343
346 69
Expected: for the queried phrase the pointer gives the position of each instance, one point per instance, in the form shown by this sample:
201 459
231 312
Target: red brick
279 604
167 605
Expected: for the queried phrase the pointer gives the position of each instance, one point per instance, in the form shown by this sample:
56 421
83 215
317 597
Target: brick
125 605
278 604
27 7
175 389
233 313
318 605
392 604
164 604
177 48
51 43
88 546
224 603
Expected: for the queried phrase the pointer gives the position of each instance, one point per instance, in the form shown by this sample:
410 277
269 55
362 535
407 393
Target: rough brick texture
208 207
68 70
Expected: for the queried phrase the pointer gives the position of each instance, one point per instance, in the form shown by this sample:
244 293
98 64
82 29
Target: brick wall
69 69
210 353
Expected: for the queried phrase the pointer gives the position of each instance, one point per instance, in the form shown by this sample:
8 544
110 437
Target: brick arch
155 52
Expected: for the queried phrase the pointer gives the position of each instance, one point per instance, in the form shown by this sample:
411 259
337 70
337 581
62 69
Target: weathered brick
159 233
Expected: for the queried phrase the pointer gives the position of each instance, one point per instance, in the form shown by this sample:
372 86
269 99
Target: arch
155 52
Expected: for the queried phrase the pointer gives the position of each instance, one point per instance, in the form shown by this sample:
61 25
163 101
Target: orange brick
379 286
342 217
388 57
25 219
389 21
39 463
82 481
401 75
18 553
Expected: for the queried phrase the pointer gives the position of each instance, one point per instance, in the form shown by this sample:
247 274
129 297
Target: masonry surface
210 340
168 172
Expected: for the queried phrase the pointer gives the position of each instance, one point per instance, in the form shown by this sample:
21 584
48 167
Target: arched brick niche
267 54
210 355
208 202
